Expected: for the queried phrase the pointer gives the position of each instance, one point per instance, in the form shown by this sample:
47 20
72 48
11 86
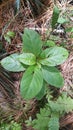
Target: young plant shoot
38 65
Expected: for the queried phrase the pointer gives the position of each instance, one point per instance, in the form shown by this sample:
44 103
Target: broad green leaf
7 38
52 76
11 34
31 83
11 63
55 16
41 93
54 123
32 42
53 56
27 58
50 43
62 20
70 29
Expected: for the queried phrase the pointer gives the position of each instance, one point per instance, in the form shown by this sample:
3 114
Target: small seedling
8 36
38 64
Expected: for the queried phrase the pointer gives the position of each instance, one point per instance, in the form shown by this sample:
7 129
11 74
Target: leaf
15 125
50 43
62 20
31 42
41 123
52 76
11 34
27 58
11 63
31 83
53 56
55 16
64 104
10 126
70 29
41 93
7 38
54 123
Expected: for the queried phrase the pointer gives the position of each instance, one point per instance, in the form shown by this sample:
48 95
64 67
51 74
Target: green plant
11 126
55 16
70 31
58 17
48 118
8 36
38 64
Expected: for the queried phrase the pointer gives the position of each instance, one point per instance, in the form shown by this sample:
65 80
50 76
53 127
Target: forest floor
16 23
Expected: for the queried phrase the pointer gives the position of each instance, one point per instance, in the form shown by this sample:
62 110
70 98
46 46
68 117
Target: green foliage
70 29
11 34
38 65
31 83
53 56
32 42
11 126
42 92
62 20
8 36
50 43
55 16
48 118
41 123
53 123
52 76
11 63
27 58
63 104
